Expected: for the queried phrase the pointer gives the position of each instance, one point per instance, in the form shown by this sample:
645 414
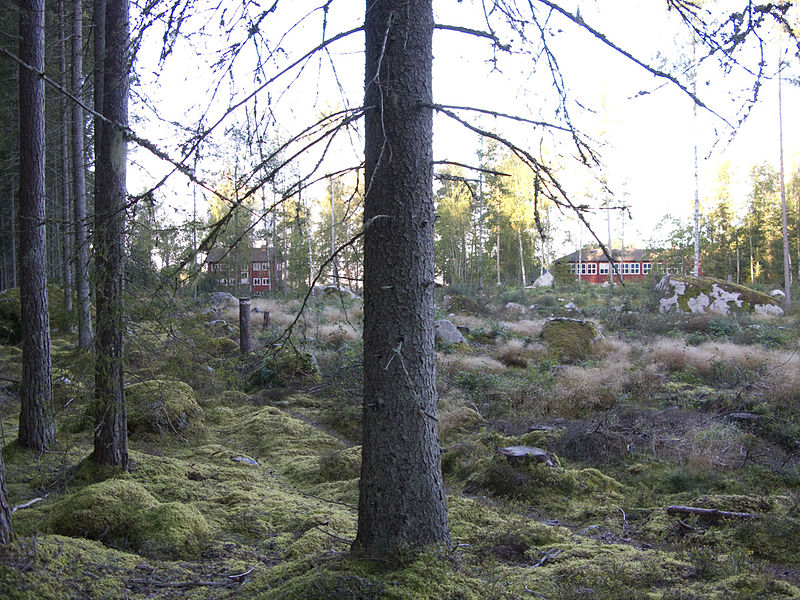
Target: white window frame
646 268
256 281
605 268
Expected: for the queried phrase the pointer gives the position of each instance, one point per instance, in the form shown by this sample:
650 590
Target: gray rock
222 298
516 309
546 279
448 333
572 307
778 294
708 295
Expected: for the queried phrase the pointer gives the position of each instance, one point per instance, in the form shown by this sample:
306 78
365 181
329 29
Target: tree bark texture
79 187
5 508
36 424
402 502
66 212
111 438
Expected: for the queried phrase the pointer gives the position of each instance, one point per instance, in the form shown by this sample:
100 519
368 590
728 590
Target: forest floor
245 484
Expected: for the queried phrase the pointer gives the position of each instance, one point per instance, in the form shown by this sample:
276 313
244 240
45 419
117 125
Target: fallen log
712 513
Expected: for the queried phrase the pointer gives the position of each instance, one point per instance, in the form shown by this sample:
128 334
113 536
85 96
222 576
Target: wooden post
265 326
245 342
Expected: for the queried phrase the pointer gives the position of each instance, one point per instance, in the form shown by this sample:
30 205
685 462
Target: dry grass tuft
525 327
516 353
454 363
719 446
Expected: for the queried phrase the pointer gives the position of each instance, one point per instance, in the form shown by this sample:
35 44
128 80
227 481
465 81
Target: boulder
219 298
546 279
159 406
779 294
448 333
515 309
690 294
570 339
572 307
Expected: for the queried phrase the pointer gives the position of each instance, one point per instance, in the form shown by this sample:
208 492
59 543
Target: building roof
256 254
596 255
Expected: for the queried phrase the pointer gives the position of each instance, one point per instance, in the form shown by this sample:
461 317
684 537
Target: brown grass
456 362
516 353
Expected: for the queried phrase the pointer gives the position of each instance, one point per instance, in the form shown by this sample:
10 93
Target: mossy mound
340 465
123 514
287 365
570 340
172 529
108 511
160 406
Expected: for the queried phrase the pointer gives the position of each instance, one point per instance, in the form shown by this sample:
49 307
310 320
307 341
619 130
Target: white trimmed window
256 281
634 268
646 267
604 268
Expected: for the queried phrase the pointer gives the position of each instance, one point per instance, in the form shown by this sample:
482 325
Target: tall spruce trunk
401 502
111 437
36 425
79 187
6 532
66 212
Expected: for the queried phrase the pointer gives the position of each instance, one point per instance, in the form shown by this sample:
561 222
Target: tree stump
265 325
245 341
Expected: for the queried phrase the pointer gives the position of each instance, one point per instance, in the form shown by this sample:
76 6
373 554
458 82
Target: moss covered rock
173 530
160 406
570 339
108 511
687 294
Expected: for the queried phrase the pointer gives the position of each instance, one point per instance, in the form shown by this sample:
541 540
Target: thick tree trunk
111 437
37 428
5 509
66 213
79 185
36 425
401 503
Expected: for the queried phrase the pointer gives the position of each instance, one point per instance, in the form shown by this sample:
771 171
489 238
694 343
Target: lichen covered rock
160 406
688 294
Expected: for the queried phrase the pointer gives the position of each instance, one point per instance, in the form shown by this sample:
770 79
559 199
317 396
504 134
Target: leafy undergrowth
245 486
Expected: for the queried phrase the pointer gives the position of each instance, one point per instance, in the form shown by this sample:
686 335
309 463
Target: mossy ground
255 497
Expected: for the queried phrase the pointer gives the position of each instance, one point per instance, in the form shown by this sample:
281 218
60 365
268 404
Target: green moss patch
160 406
570 340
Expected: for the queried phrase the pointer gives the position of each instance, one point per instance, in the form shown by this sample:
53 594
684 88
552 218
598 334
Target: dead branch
472 168
475 32
712 513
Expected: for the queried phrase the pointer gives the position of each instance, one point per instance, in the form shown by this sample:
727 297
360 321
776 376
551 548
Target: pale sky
646 141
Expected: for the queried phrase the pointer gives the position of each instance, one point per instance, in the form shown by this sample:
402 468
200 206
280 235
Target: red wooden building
256 267
592 265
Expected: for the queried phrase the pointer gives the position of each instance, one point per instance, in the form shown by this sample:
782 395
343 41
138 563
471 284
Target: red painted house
256 266
592 265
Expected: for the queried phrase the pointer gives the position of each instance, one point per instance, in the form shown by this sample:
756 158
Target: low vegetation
244 475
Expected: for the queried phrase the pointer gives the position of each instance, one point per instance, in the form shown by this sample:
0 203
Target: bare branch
471 168
475 32
579 21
